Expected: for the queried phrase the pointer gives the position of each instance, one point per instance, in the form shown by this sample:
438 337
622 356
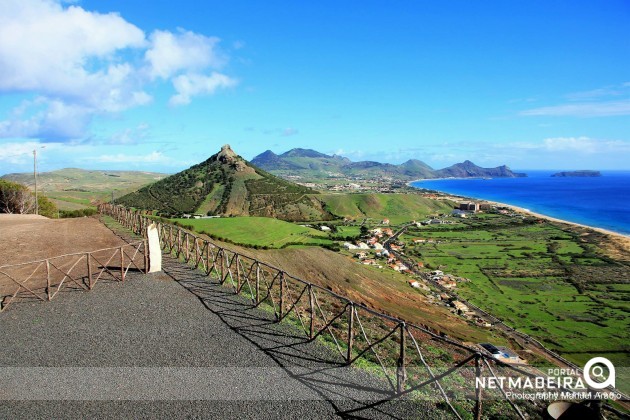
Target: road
174 345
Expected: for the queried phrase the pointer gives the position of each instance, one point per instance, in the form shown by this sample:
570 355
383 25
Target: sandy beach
622 241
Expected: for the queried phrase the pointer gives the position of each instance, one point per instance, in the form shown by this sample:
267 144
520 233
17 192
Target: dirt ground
29 237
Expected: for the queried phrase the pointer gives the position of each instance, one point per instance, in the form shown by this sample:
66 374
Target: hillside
73 188
226 184
468 169
312 165
396 207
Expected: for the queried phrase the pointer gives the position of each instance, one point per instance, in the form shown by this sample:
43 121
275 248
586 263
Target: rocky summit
227 185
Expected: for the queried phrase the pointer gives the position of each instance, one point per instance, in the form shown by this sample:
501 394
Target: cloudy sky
123 85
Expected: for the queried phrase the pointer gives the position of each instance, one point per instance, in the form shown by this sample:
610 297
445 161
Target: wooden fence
412 359
43 280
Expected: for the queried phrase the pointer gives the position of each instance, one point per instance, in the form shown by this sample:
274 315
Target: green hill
228 185
397 208
73 188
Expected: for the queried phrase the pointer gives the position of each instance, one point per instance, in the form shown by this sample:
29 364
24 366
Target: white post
155 252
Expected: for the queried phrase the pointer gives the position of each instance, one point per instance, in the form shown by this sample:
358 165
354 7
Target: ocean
602 202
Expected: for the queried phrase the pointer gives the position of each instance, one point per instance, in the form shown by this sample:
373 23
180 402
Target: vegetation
398 208
548 282
259 232
18 199
226 184
64 214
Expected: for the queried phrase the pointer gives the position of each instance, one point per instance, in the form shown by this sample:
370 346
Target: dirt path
29 237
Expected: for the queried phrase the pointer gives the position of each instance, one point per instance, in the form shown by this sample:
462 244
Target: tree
15 198
18 199
46 207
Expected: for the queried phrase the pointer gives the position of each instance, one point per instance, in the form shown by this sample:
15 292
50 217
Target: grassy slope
384 290
261 231
74 188
396 207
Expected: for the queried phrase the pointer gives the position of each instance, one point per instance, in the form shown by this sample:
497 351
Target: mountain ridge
317 165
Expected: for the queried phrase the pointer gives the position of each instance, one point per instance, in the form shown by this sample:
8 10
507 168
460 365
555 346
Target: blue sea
602 202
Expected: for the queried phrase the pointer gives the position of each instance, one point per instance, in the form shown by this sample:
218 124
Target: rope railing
44 279
413 359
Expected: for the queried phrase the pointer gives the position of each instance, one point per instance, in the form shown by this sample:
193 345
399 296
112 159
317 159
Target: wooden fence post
187 247
48 279
311 300
257 282
281 294
350 332
122 264
145 244
238 274
400 365
88 257
478 389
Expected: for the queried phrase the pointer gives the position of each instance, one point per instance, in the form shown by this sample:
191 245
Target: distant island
584 173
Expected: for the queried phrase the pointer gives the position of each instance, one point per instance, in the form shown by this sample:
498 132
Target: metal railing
413 359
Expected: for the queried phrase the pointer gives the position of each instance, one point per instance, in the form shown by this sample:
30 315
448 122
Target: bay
602 202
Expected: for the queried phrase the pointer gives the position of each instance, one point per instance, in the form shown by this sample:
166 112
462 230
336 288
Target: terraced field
546 281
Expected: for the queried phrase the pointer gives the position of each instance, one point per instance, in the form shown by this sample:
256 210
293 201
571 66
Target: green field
540 279
73 189
257 231
398 208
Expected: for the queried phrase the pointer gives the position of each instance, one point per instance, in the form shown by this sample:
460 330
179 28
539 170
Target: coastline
623 238
525 211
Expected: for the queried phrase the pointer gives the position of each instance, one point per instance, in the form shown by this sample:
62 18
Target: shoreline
625 238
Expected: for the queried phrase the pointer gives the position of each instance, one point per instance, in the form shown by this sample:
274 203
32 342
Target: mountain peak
299 152
226 184
226 154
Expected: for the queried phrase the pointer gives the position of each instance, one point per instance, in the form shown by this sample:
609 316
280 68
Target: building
459 213
348 245
470 206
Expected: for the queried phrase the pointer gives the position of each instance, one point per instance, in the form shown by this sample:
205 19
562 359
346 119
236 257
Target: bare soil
29 237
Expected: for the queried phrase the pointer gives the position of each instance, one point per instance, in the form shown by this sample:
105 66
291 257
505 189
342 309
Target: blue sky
122 85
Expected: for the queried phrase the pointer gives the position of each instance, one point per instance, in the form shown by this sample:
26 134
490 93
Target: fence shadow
346 389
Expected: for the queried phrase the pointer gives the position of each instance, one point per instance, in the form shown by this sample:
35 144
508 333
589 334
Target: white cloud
589 109
20 153
47 48
153 157
594 94
130 136
290 132
585 145
171 53
189 85
80 63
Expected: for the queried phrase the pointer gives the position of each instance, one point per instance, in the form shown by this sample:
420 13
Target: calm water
602 202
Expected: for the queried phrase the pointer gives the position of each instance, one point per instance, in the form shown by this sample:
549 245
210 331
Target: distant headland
584 173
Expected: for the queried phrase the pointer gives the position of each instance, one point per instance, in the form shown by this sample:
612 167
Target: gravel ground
158 348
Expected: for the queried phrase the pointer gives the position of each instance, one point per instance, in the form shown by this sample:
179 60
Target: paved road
174 345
